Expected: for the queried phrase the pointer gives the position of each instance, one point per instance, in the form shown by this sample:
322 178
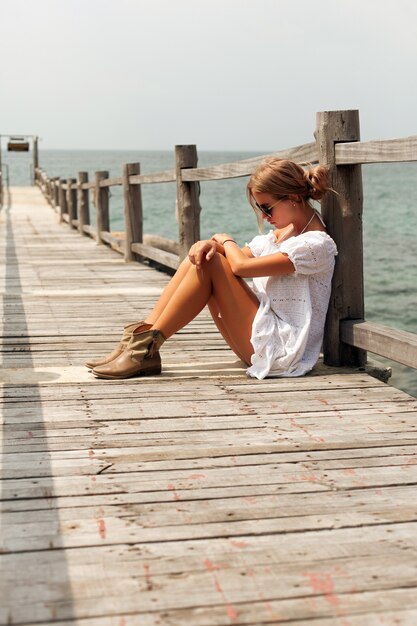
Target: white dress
287 331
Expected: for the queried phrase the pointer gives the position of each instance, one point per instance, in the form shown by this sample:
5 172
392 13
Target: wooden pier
200 497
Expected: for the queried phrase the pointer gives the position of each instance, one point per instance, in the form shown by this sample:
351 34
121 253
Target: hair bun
317 181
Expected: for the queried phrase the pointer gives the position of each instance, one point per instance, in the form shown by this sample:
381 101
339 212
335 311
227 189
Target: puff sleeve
260 243
310 253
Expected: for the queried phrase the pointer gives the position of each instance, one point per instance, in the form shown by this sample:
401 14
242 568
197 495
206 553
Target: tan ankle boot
121 346
140 358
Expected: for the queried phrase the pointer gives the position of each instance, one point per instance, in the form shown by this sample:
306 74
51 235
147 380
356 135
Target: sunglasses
266 208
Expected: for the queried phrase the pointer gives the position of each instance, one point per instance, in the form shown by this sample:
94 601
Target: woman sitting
276 327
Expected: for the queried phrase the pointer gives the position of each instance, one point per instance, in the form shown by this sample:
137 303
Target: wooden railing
347 335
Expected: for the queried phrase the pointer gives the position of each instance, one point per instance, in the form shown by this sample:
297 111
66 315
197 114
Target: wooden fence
347 335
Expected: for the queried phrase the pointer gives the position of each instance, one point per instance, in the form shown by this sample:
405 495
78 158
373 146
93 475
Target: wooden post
342 212
55 192
102 206
71 201
187 200
50 191
35 157
83 203
62 200
133 212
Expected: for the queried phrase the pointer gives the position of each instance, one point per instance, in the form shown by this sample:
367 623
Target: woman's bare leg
168 292
216 315
234 300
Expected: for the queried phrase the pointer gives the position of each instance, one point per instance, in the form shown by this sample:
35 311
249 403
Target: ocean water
389 219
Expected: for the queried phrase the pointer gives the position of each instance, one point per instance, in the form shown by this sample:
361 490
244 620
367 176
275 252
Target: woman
276 327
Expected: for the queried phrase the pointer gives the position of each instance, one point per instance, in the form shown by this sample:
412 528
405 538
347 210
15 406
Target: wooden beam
167 176
342 212
386 151
111 182
116 243
162 243
397 345
301 154
90 231
160 256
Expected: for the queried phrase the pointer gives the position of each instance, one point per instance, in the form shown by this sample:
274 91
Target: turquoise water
390 221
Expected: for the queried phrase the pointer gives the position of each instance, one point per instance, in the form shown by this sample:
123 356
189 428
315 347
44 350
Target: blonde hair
282 178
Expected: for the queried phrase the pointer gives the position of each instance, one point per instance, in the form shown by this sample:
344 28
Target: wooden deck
199 497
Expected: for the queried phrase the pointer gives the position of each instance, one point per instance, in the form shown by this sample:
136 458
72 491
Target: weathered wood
385 151
91 185
71 201
133 214
116 243
397 345
62 200
167 176
35 158
89 230
166 259
342 212
275 501
301 154
101 197
156 241
188 203
55 192
83 203
111 182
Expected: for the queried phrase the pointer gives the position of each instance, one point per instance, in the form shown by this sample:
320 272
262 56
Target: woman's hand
221 237
202 251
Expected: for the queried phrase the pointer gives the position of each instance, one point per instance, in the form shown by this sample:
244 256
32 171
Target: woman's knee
219 261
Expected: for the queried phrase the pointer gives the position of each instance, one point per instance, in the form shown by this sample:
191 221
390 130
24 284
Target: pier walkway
197 498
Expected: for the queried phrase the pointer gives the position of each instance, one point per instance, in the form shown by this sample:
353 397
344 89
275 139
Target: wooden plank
163 243
391 343
87 185
167 176
385 151
301 154
155 254
111 182
232 500
90 230
116 243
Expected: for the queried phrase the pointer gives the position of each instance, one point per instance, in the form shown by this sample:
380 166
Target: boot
140 358
122 345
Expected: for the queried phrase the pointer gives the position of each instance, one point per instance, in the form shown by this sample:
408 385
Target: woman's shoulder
317 237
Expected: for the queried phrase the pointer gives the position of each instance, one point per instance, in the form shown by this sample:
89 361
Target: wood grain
198 497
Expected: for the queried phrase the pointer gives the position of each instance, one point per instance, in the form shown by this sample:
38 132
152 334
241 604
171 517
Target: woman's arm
204 250
242 265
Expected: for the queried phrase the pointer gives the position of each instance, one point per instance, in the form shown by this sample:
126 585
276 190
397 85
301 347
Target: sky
222 74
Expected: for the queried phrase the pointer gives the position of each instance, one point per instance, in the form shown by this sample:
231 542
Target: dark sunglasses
265 209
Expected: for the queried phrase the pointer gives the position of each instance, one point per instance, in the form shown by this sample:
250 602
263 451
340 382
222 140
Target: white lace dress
287 331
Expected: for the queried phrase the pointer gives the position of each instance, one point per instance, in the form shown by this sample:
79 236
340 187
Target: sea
389 221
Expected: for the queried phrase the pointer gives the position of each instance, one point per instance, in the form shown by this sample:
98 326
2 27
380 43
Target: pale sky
224 74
